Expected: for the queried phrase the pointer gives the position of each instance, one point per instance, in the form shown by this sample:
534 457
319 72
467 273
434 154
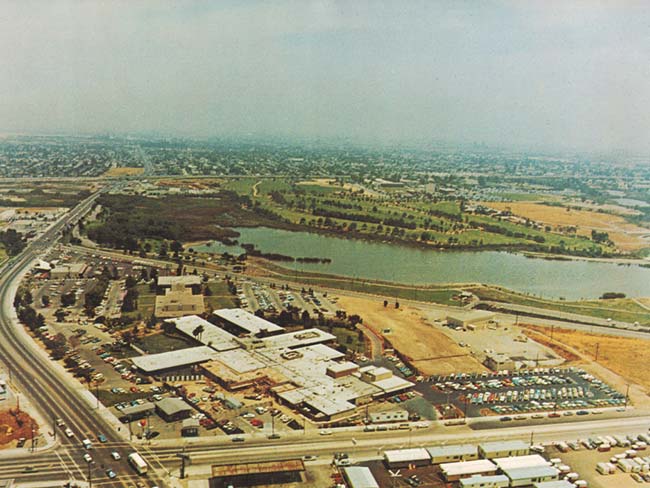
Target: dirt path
255 188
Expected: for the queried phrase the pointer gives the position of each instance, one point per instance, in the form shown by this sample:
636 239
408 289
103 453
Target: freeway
50 390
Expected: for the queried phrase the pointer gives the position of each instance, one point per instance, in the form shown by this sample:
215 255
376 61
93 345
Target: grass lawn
221 296
157 343
146 303
624 310
349 338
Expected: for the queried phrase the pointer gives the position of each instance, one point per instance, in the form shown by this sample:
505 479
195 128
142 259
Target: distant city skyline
554 75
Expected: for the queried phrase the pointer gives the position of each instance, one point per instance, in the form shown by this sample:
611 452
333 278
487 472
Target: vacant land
430 350
621 355
124 171
622 310
15 424
626 236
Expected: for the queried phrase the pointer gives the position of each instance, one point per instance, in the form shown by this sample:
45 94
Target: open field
431 351
621 355
626 236
124 171
220 296
624 310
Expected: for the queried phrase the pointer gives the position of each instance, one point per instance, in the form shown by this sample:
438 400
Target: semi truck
138 463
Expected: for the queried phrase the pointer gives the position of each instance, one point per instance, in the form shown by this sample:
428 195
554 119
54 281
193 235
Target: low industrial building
136 412
528 461
255 474
190 428
554 484
528 476
454 453
68 270
498 449
495 481
403 458
468 318
467 469
499 362
388 416
359 477
173 409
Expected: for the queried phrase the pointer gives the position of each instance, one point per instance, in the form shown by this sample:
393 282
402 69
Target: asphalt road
50 392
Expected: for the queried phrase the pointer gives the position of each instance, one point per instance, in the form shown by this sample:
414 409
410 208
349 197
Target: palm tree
198 331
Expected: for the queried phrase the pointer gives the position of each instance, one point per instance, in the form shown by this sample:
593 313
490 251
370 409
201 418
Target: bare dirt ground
14 425
626 236
430 350
124 171
621 360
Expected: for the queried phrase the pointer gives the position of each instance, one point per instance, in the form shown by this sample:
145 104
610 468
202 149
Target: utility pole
90 476
54 426
184 457
627 395
597 348
33 438
532 433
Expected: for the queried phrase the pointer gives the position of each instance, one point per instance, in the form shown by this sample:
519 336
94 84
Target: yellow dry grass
626 236
624 356
124 171
429 349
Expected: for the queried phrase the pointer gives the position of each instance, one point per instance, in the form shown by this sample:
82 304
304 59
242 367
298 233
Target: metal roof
521 461
406 455
454 450
530 472
468 467
247 321
360 477
500 446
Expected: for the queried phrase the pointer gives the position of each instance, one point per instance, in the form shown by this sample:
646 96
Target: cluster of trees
26 313
130 301
12 241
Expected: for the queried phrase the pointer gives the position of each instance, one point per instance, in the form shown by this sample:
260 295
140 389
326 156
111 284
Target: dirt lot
429 349
125 171
620 359
626 236
14 425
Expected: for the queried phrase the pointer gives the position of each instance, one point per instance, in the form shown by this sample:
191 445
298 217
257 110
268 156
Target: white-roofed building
497 449
554 484
466 469
167 361
402 458
494 481
533 474
528 461
359 477
241 322
187 281
453 453
212 336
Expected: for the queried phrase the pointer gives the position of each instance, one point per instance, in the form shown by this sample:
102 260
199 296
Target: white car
88 458
116 455
69 432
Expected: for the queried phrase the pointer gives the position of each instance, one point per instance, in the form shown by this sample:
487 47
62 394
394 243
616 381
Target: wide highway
52 392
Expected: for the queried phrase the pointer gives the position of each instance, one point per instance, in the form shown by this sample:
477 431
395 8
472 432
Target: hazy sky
556 74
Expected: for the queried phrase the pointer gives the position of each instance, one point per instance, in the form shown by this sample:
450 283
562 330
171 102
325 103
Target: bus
138 463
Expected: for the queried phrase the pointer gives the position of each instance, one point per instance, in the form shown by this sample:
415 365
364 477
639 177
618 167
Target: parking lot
531 391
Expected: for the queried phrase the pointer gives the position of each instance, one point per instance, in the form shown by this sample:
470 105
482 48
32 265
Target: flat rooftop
228 470
453 450
174 359
299 338
247 321
521 461
212 336
360 477
530 472
501 446
186 280
406 455
468 467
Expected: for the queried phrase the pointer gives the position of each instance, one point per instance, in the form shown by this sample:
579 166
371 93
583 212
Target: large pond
572 280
